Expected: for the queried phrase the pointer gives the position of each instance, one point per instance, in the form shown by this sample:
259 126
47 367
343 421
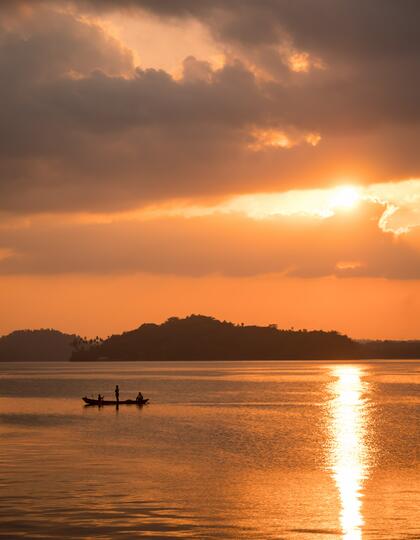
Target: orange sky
364 308
161 159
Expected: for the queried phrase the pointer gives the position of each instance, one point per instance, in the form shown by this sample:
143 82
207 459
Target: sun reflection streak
349 449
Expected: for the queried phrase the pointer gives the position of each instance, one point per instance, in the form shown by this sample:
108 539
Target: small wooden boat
91 401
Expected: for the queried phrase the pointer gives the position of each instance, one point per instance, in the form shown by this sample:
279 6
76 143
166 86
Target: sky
257 161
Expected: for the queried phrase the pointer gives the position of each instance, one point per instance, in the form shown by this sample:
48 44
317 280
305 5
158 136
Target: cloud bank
232 245
83 127
305 94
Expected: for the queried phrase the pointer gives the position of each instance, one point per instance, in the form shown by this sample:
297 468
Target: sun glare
345 197
349 448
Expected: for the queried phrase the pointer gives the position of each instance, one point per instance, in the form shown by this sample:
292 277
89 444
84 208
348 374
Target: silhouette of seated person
100 399
139 397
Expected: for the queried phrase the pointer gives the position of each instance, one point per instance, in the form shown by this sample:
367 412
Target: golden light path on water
349 449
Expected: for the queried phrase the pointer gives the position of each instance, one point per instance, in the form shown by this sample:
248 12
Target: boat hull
91 401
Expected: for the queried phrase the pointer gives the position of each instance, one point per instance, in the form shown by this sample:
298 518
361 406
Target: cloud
344 245
325 25
368 50
83 128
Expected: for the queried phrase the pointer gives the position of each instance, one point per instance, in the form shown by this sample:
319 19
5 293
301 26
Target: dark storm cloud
329 27
82 128
371 50
343 245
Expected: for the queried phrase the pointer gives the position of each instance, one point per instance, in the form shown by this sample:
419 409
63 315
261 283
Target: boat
91 401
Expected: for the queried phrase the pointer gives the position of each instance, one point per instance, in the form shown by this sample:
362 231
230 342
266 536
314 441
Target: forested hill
36 346
204 338
198 337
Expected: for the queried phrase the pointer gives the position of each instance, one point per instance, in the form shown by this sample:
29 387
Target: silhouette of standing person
117 394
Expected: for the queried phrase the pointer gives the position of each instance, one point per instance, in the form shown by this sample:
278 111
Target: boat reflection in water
349 449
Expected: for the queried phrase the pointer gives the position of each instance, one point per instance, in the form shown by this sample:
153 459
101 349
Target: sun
345 197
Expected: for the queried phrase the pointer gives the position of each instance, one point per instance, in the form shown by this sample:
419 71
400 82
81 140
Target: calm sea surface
246 450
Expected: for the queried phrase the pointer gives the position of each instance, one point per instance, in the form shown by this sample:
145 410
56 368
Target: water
231 450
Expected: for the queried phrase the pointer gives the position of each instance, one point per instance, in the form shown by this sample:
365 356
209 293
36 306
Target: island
200 337
36 346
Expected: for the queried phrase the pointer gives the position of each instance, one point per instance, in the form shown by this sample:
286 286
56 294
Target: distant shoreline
199 338
203 338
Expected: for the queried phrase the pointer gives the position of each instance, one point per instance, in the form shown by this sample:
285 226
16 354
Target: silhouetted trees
390 349
198 337
36 345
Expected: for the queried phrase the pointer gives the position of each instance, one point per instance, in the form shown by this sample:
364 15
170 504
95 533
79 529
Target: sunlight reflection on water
232 450
349 449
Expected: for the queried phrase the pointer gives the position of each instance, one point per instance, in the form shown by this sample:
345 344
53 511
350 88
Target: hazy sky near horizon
255 160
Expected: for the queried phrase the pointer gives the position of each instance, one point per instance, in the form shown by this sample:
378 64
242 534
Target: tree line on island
199 337
36 346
